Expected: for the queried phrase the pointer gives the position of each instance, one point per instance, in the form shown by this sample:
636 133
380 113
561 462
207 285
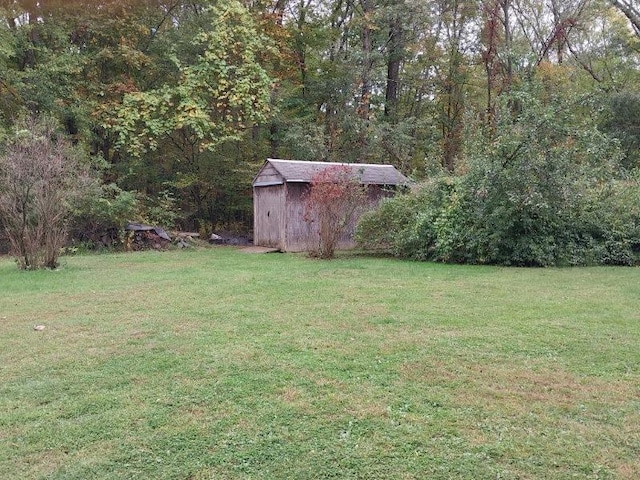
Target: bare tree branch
631 10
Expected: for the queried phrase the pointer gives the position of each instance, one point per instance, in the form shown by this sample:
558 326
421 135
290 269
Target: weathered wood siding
301 235
278 208
268 215
298 232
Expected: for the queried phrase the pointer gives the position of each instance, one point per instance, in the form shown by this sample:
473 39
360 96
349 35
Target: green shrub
100 222
379 229
403 225
541 190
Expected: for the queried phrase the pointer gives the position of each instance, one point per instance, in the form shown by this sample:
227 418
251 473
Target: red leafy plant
333 202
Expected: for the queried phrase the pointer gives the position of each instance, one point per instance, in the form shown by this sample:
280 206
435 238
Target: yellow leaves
554 75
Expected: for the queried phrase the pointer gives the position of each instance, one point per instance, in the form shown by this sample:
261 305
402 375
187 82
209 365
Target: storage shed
278 200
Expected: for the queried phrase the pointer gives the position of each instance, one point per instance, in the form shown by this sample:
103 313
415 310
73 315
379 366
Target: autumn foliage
332 203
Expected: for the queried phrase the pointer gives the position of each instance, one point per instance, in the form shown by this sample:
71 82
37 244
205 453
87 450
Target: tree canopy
184 100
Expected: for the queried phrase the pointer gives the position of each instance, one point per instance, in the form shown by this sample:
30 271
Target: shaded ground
230 238
254 249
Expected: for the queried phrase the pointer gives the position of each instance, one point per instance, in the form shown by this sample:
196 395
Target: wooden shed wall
301 235
298 232
279 214
268 215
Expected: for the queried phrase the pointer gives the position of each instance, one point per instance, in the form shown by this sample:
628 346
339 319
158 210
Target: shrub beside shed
278 200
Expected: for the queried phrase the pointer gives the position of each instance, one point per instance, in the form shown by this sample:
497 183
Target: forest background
177 103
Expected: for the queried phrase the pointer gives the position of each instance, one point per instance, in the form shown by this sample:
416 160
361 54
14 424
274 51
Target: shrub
541 190
610 222
404 225
100 221
41 176
380 229
333 201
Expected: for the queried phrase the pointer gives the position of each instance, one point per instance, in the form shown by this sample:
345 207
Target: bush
407 225
334 199
448 221
380 229
610 224
41 176
100 221
541 190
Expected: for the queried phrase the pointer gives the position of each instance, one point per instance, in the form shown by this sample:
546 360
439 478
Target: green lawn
216 364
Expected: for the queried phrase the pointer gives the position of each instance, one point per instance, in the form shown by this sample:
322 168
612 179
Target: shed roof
303 171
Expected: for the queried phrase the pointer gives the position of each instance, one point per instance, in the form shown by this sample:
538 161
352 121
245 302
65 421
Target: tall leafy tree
177 95
215 91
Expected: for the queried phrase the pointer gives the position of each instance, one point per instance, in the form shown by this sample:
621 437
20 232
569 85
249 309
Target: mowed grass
216 364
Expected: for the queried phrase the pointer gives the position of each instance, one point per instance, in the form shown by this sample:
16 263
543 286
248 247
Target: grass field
215 364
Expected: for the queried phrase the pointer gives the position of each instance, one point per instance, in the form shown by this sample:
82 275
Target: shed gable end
268 175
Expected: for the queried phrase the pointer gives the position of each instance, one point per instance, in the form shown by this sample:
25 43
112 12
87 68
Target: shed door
268 216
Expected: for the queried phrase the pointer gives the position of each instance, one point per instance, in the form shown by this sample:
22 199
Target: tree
394 63
457 17
333 201
176 95
624 124
630 10
216 91
220 90
541 189
40 177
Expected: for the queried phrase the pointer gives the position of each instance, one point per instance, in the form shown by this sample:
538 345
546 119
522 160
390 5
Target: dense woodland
177 103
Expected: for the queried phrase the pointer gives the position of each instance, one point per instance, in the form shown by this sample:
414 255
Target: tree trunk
278 11
393 69
364 107
631 10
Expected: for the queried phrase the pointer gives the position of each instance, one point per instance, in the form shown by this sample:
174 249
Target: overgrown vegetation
220 364
185 100
542 188
99 222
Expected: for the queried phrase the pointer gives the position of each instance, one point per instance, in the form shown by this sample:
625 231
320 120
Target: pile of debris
146 237
185 239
